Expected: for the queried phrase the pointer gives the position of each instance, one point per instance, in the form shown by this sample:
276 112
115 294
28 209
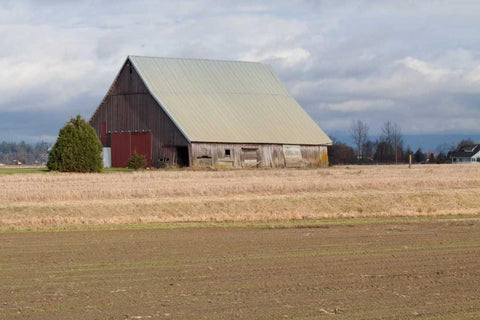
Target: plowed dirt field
426 270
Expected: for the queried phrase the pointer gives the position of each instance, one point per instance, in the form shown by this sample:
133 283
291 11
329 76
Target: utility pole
396 151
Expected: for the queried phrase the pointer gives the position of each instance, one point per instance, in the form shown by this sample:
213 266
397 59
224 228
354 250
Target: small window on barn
227 152
130 70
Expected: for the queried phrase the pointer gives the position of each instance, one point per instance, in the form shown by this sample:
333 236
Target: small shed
206 112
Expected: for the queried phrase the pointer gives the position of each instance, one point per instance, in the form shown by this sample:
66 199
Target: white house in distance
467 155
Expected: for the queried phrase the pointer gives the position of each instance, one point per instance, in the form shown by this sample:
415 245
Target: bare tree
359 133
392 135
465 143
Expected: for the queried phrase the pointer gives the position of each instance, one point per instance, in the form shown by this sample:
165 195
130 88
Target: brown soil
426 270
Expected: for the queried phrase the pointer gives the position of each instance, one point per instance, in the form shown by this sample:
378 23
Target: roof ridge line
197 59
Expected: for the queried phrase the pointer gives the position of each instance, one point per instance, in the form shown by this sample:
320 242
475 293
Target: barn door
250 157
182 157
124 144
293 156
142 144
120 148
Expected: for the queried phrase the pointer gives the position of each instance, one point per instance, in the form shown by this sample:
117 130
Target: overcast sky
413 62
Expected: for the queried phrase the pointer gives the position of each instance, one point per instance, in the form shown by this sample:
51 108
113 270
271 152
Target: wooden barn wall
268 155
315 154
129 107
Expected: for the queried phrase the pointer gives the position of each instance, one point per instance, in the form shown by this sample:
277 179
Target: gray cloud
417 63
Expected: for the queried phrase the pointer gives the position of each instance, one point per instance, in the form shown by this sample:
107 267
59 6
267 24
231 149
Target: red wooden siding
124 144
104 133
129 107
120 144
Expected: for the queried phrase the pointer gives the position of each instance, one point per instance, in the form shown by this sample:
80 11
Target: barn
198 112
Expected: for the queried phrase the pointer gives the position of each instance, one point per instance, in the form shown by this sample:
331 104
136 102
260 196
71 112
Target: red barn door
124 144
141 142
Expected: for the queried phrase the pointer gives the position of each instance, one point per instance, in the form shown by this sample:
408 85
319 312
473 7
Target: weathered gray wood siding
268 155
129 107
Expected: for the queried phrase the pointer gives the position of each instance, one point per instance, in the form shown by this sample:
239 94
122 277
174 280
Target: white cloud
360 105
474 76
431 73
415 63
288 57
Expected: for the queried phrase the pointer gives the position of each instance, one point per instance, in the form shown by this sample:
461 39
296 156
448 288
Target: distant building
467 155
206 112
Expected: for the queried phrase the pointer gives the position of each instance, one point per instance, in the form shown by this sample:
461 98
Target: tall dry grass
54 199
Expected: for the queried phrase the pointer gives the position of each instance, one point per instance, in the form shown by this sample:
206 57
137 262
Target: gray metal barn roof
227 101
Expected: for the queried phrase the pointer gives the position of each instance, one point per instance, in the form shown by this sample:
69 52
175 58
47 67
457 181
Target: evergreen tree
77 148
431 158
441 158
419 156
340 153
137 161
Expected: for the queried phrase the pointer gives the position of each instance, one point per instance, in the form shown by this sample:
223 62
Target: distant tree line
387 149
23 153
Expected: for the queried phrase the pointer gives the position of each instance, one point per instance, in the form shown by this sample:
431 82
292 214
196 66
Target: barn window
130 70
227 152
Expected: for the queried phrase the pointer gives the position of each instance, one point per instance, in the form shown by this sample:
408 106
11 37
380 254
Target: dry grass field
55 200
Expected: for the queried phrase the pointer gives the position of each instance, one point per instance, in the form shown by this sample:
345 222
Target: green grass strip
318 223
20 170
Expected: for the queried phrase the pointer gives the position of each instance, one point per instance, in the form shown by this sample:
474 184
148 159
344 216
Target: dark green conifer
77 148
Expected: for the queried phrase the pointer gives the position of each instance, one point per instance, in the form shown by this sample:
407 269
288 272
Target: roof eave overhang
264 143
